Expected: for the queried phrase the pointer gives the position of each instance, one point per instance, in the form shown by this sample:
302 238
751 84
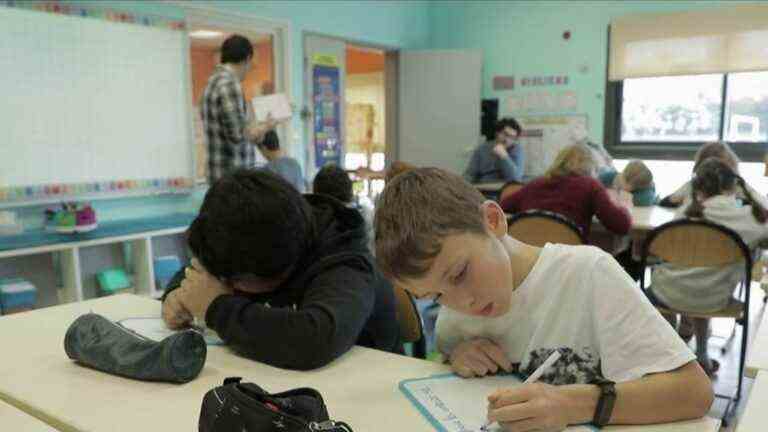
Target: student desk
644 219
755 416
14 420
757 358
360 388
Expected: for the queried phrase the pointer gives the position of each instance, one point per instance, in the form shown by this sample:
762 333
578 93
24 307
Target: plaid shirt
224 115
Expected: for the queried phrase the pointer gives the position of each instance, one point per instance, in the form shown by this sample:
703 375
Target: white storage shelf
72 265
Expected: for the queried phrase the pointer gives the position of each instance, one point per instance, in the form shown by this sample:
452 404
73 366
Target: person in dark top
284 279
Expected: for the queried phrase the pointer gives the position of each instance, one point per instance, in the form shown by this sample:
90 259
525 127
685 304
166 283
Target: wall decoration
548 80
88 11
327 106
503 83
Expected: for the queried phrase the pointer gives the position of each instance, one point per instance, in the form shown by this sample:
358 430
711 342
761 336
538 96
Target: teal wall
401 24
524 38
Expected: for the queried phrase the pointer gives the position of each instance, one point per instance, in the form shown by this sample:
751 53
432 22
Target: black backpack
236 407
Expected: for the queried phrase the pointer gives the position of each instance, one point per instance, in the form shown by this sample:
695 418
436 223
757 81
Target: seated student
333 181
508 306
719 150
500 160
713 197
570 189
284 279
637 179
285 166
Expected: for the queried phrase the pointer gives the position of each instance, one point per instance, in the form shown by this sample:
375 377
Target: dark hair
333 181
236 49
508 122
251 223
271 141
713 176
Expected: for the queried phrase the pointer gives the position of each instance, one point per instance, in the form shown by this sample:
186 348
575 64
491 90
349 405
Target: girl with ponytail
720 195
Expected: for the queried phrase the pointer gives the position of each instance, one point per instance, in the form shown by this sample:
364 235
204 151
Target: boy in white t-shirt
508 305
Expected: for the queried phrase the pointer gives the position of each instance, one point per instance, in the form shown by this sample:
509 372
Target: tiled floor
727 378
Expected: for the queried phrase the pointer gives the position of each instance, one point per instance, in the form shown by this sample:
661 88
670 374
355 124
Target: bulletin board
545 135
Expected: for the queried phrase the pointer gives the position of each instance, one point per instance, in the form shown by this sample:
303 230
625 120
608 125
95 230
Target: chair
409 320
508 189
699 243
539 227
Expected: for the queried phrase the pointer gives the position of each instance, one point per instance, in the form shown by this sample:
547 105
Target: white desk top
648 218
15 420
489 187
755 416
360 388
757 357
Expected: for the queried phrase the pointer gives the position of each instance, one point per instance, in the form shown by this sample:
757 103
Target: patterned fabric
225 117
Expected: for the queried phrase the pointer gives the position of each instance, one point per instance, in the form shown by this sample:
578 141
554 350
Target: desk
14 420
489 187
360 388
647 218
757 357
755 416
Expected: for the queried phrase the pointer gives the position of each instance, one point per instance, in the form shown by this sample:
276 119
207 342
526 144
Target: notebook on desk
454 404
154 328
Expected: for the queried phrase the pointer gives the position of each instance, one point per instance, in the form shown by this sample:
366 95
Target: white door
324 76
439 107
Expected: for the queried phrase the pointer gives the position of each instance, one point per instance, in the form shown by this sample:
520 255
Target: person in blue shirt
499 160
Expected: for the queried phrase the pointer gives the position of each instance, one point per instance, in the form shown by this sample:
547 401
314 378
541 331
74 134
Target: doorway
350 110
204 55
207 28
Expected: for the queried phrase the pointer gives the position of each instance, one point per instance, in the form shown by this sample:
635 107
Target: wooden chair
539 227
508 189
688 243
409 320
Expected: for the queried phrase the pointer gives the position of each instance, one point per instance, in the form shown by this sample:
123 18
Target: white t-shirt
578 300
709 289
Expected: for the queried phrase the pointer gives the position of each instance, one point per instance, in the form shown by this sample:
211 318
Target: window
652 117
669 109
747 107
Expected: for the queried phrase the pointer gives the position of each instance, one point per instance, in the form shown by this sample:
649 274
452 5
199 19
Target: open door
439 107
325 76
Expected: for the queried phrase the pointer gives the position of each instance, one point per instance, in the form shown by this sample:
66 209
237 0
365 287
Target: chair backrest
696 243
407 316
509 189
538 227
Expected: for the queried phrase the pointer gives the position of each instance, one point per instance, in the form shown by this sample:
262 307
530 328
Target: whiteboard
455 404
89 100
545 135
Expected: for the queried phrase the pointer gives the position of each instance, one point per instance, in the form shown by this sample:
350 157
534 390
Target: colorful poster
327 103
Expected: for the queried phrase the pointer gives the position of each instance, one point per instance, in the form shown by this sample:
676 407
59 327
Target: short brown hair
415 212
397 167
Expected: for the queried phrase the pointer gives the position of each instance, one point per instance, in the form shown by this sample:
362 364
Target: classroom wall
385 22
524 38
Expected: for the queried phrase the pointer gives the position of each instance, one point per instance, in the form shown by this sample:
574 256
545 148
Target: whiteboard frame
202 14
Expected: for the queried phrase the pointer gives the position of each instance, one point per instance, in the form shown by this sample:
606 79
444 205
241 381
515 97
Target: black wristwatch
605 403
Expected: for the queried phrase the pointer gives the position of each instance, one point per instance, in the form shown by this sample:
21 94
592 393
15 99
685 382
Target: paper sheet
276 104
454 404
154 328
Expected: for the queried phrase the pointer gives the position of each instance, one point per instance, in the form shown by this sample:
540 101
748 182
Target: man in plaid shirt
231 132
